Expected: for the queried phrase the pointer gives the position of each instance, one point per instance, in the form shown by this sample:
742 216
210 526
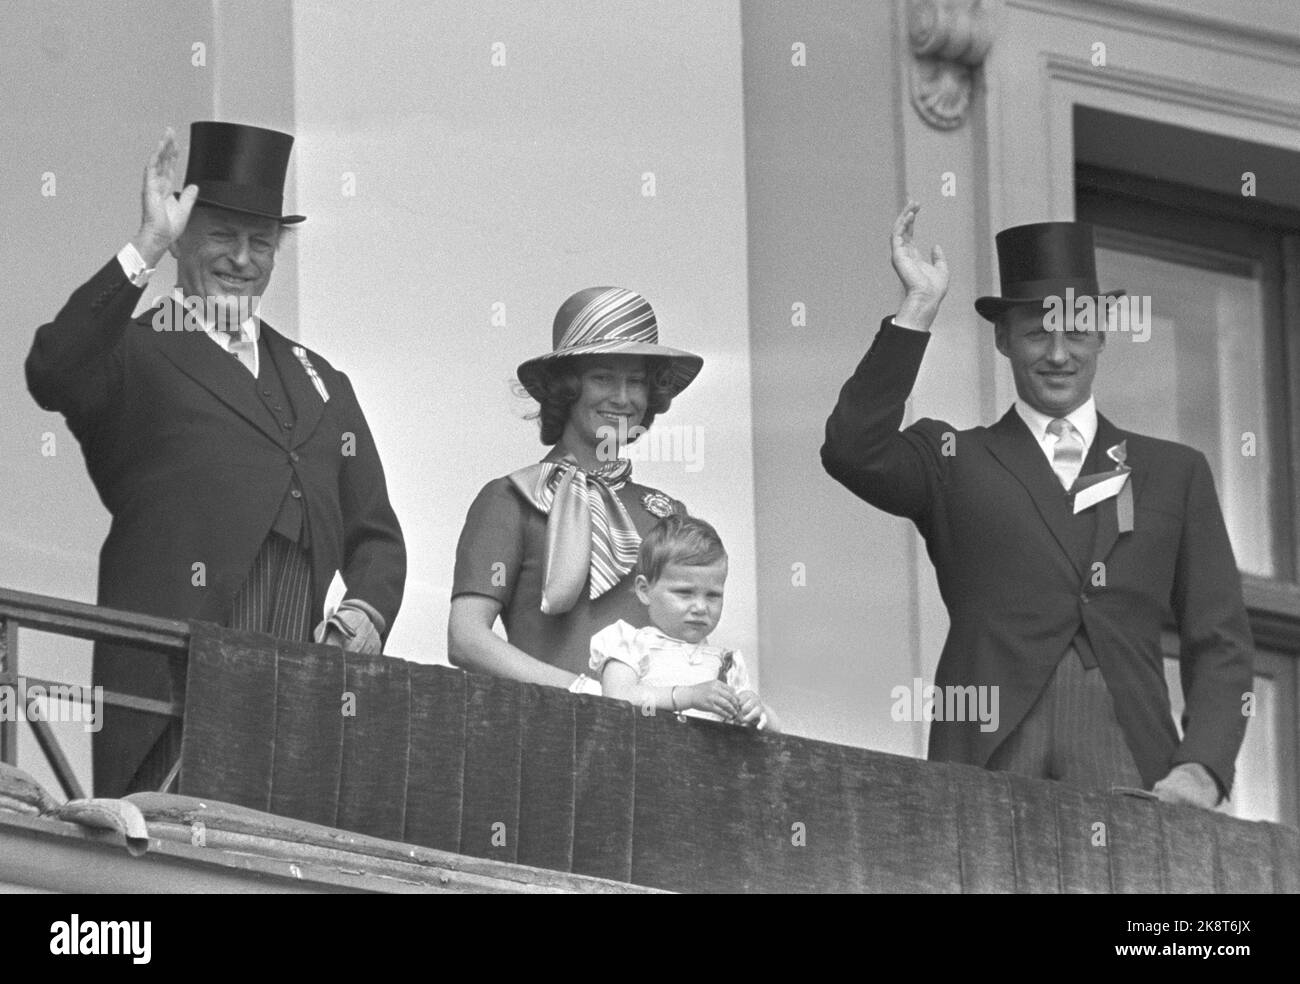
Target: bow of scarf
590 537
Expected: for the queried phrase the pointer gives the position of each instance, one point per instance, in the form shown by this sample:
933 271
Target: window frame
1269 235
1203 220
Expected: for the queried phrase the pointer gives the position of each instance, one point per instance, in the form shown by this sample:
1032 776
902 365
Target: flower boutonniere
657 504
1118 454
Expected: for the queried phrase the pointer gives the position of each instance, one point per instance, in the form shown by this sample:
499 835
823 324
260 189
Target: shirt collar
654 632
251 327
1082 418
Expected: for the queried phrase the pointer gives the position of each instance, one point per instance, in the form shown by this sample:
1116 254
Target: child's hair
678 539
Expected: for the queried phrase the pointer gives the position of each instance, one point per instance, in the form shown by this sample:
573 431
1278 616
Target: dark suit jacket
193 467
1018 585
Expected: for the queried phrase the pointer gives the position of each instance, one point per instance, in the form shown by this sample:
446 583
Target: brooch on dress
657 504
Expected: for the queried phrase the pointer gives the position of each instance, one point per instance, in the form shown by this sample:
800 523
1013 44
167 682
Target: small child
681 573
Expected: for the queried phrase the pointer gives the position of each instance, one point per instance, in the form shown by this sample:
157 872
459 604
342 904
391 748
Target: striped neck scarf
590 537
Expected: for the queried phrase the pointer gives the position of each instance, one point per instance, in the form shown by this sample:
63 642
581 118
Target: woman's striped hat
609 321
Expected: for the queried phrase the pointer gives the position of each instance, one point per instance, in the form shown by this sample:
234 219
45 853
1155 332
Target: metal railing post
76 620
9 683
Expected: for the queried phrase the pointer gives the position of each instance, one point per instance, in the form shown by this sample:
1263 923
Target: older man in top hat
1062 543
237 466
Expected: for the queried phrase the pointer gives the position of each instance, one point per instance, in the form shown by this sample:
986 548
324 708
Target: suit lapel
194 354
307 403
1016 450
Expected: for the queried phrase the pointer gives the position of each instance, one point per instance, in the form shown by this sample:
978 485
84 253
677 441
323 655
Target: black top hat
240 167
1041 260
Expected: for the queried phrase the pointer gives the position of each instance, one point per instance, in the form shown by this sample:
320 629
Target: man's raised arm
864 449
71 367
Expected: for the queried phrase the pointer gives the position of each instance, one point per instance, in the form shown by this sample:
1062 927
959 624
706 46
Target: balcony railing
70 618
475 767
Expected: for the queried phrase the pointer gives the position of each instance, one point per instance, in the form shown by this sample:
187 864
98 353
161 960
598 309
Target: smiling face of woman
612 398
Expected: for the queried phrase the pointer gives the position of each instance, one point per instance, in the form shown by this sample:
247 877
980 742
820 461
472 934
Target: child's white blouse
662 661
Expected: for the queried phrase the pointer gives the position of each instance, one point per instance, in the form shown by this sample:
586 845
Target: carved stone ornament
949 39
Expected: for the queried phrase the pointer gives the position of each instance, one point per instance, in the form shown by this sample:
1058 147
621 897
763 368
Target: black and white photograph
612 447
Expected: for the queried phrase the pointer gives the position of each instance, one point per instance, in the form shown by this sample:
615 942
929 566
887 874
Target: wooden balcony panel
476 778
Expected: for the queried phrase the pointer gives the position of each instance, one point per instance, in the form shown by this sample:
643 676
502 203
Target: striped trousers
276 598
1071 734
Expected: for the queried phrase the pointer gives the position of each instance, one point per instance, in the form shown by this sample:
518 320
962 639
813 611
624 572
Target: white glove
1189 783
354 627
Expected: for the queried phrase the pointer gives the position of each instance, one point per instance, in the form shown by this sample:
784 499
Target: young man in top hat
237 466
1062 544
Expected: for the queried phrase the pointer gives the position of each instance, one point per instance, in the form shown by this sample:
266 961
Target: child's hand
711 695
751 709
754 713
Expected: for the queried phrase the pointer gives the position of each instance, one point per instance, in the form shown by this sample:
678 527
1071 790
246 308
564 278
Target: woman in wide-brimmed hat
551 548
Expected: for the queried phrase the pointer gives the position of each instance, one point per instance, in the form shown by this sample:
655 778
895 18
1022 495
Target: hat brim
991 307
685 365
282 219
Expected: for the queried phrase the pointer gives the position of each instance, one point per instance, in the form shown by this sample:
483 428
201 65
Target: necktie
242 346
589 533
1067 456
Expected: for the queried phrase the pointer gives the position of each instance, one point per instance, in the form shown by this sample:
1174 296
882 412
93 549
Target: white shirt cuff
133 265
